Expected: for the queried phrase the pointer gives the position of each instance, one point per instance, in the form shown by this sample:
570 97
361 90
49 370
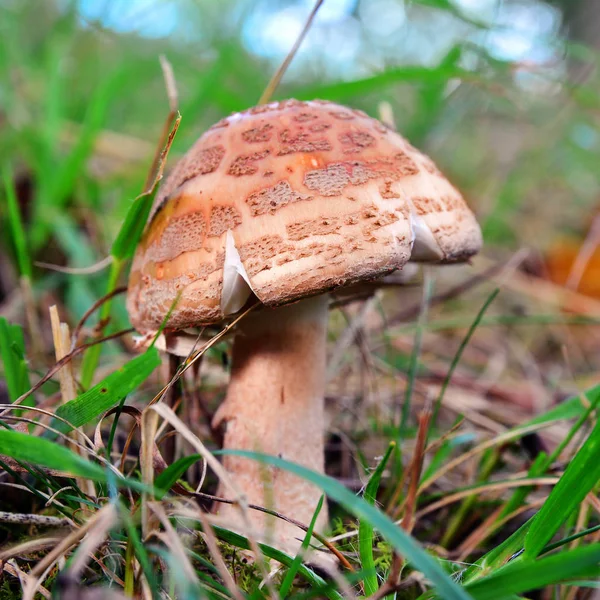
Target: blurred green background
502 93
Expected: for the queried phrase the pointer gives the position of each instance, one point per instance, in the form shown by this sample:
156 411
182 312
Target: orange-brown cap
288 200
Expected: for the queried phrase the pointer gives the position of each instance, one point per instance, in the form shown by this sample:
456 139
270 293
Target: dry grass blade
490 487
435 444
174 542
272 85
408 522
94 538
489 525
28 547
168 132
386 114
68 388
13 569
61 549
95 268
149 422
496 441
213 548
148 427
408 506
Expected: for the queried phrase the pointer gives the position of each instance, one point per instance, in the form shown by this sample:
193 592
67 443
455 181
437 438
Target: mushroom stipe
283 203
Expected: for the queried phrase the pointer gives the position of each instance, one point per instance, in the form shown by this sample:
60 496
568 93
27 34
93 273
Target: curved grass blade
580 477
42 452
286 584
235 539
165 480
110 391
15 223
400 540
523 576
12 354
365 529
459 353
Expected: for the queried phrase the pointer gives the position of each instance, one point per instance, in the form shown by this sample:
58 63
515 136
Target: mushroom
287 201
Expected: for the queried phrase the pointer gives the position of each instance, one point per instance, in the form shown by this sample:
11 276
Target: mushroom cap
288 200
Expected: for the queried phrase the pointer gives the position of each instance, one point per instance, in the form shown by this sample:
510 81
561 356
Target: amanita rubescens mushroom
287 201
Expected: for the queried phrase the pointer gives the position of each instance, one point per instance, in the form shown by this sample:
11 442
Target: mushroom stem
275 405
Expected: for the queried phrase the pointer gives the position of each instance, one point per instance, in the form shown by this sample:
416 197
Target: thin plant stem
459 353
272 85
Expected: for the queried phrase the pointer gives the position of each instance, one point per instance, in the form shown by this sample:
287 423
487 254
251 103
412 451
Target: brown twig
92 309
408 522
38 520
322 540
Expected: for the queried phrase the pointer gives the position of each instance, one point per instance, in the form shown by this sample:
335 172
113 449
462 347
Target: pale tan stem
68 388
274 405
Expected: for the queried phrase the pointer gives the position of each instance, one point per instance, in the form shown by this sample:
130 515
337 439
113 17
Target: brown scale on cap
294 182
355 141
255 135
246 163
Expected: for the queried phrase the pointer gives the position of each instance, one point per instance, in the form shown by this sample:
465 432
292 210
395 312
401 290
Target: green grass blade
235 539
42 452
365 529
580 477
16 224
286 584
360 508
569 409
497 556
570 539
110 391
12 353
131 231
135 221
362 87
523 576
165 480
91 357
536 469
543 462
139 549
459 354
73 165
414 357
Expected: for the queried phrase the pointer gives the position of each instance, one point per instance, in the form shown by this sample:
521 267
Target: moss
10 589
